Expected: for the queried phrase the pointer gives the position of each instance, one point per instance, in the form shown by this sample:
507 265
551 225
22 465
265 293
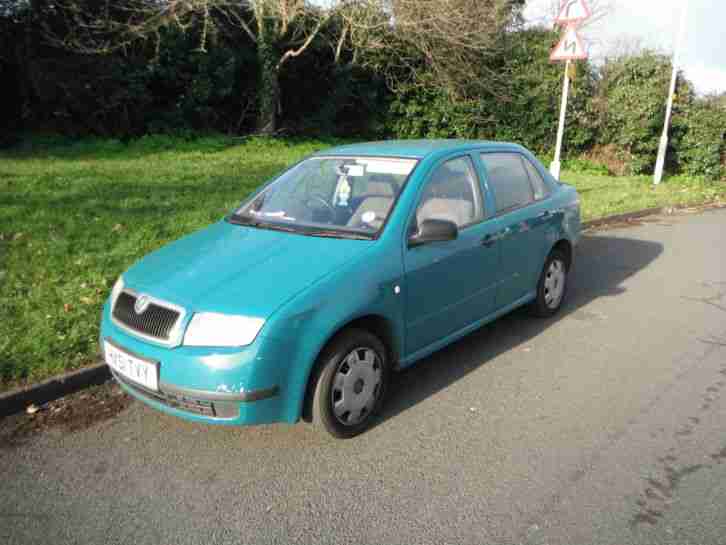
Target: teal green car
352 264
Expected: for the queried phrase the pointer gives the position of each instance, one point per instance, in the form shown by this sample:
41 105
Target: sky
654 24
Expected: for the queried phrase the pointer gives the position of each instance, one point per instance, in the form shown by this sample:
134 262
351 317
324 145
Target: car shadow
602 264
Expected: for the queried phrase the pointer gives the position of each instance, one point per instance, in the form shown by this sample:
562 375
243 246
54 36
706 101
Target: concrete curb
619 218
667 210
55 387
51 389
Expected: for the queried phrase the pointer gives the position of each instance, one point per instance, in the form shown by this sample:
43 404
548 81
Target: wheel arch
565 246
377 325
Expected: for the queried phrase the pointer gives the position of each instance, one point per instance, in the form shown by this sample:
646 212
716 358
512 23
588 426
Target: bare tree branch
409 42
296 52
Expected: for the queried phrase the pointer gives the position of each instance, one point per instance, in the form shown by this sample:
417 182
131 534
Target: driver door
450 285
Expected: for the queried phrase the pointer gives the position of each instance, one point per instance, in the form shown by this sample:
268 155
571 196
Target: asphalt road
606 424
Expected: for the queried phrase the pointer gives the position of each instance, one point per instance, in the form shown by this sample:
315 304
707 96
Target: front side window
508 180
330 196
452 194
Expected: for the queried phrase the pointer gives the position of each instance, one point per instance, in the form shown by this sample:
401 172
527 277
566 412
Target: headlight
212 329
117 289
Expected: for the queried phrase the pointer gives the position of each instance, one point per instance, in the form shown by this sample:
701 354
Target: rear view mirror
433 230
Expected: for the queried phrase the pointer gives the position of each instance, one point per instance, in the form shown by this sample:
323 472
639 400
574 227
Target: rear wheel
552 285
354 375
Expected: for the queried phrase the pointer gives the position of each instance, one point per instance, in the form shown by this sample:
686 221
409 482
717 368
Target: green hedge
630 105
702 149
526 112
169 86
615 113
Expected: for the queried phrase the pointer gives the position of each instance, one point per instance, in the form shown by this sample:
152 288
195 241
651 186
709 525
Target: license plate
135 369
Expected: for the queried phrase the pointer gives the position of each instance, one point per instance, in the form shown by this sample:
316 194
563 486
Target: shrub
703 146
527 114
630 108
582 165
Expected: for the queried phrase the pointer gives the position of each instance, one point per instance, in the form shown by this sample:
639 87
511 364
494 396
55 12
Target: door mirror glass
433 230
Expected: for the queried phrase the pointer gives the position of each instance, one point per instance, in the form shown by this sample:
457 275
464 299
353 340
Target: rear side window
508 180
541 190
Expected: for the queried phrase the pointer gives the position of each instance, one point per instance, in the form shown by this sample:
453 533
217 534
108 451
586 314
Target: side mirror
432 230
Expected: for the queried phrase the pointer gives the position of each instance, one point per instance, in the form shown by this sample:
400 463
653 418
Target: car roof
417 149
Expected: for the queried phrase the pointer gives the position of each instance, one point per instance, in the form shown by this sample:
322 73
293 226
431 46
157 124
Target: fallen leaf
118 227
67 307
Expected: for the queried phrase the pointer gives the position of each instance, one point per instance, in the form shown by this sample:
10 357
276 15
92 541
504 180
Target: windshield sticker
353 171
387 166
368 217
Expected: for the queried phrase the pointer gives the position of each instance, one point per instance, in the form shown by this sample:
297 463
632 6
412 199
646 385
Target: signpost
663 147
570 48
573 12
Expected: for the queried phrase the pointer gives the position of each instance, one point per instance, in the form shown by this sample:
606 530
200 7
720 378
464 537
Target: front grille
204 407
156 321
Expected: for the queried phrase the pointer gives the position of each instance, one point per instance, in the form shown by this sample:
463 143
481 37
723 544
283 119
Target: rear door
450 284
523 213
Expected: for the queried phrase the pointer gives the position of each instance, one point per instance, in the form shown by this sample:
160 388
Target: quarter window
508 180
451 194
538 184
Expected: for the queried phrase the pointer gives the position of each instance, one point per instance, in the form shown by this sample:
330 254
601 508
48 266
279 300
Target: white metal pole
556 165
663 147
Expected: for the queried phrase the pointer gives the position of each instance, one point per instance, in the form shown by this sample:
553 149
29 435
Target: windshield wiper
251 222
326 233
332 233
237 219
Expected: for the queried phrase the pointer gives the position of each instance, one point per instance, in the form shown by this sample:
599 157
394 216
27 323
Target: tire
552 285
354 374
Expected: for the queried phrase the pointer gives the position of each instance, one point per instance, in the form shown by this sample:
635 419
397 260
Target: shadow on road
602 264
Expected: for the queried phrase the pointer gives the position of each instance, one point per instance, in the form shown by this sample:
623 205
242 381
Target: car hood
239 270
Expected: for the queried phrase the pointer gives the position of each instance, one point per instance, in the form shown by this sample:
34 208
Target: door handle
489 240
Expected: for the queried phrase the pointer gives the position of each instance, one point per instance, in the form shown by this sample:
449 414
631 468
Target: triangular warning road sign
573 11
570 48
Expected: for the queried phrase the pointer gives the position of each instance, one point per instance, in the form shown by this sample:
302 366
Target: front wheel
552 285
351 385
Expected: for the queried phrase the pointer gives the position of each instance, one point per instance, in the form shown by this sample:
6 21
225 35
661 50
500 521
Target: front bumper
202 406
239 386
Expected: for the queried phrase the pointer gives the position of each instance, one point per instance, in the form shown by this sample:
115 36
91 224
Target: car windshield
330 196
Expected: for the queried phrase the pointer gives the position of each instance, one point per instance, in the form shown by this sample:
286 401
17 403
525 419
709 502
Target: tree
401 37
458 42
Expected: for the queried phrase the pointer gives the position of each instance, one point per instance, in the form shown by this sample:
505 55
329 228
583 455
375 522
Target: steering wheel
318 199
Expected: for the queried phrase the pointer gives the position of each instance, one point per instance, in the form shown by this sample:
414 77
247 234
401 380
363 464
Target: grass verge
74 216
607 195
